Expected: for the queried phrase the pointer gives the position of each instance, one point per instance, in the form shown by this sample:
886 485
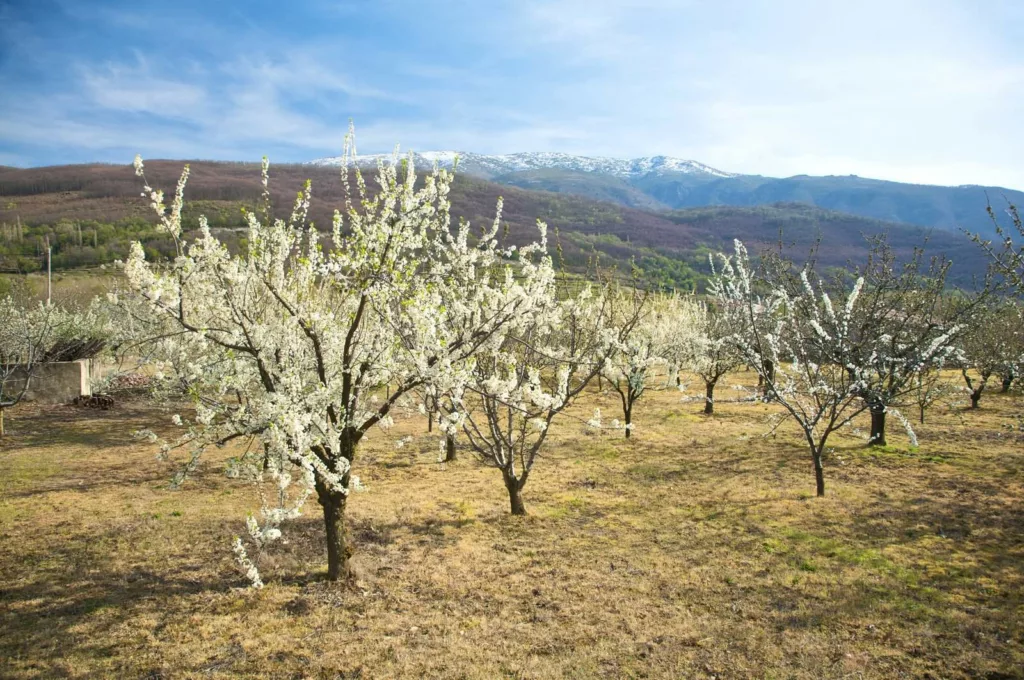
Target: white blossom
298 345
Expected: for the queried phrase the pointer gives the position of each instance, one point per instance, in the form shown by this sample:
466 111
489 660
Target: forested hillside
89 214
946 208
663 182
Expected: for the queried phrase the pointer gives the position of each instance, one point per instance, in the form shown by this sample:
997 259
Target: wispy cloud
919 90
135 88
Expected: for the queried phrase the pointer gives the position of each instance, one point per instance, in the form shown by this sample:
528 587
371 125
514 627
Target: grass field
75 288
696 549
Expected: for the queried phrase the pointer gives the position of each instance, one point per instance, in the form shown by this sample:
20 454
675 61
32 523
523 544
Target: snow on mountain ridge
500 164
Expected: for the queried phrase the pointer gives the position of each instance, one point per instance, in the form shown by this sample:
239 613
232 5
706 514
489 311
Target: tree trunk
922 415
819 474
768 378
515 495
430 414
449 449
1007 383
338 549
629 420
1 421
709 398
877 425
975 392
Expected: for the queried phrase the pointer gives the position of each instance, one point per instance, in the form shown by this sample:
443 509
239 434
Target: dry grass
74 288
695 550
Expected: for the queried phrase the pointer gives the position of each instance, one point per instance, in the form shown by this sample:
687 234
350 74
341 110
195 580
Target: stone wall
56 382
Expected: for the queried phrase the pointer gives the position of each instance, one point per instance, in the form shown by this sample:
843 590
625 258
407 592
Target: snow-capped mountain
496 165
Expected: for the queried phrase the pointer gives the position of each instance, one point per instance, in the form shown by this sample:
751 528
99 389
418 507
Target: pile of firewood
103 401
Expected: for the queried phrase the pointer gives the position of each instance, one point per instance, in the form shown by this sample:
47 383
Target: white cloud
134 88
914 90
899 90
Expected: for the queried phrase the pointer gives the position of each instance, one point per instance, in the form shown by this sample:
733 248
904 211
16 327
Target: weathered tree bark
768 378
449 449
1007 383
878 425
629 420
819 474
709 397
976 390
515 495
922 414
338 549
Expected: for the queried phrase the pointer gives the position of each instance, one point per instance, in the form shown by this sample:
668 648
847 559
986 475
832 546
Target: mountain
592 185
663 182
947 208
90 213
488 167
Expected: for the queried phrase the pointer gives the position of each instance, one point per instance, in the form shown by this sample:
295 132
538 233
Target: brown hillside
108 193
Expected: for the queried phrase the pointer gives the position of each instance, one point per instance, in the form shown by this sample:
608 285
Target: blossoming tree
289 344
33 333
630 361
1007 258
517 387
930 388
908 322
674 328
799 342
993 345
1007 252
26 332
714 352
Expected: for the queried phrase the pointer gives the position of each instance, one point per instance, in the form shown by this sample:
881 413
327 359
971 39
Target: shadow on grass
933 545
77 442
944 566
70 597
114 476
32 425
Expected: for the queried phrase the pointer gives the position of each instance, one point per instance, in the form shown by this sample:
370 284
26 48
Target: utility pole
49 279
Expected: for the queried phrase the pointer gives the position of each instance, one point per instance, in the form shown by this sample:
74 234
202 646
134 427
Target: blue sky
926 91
